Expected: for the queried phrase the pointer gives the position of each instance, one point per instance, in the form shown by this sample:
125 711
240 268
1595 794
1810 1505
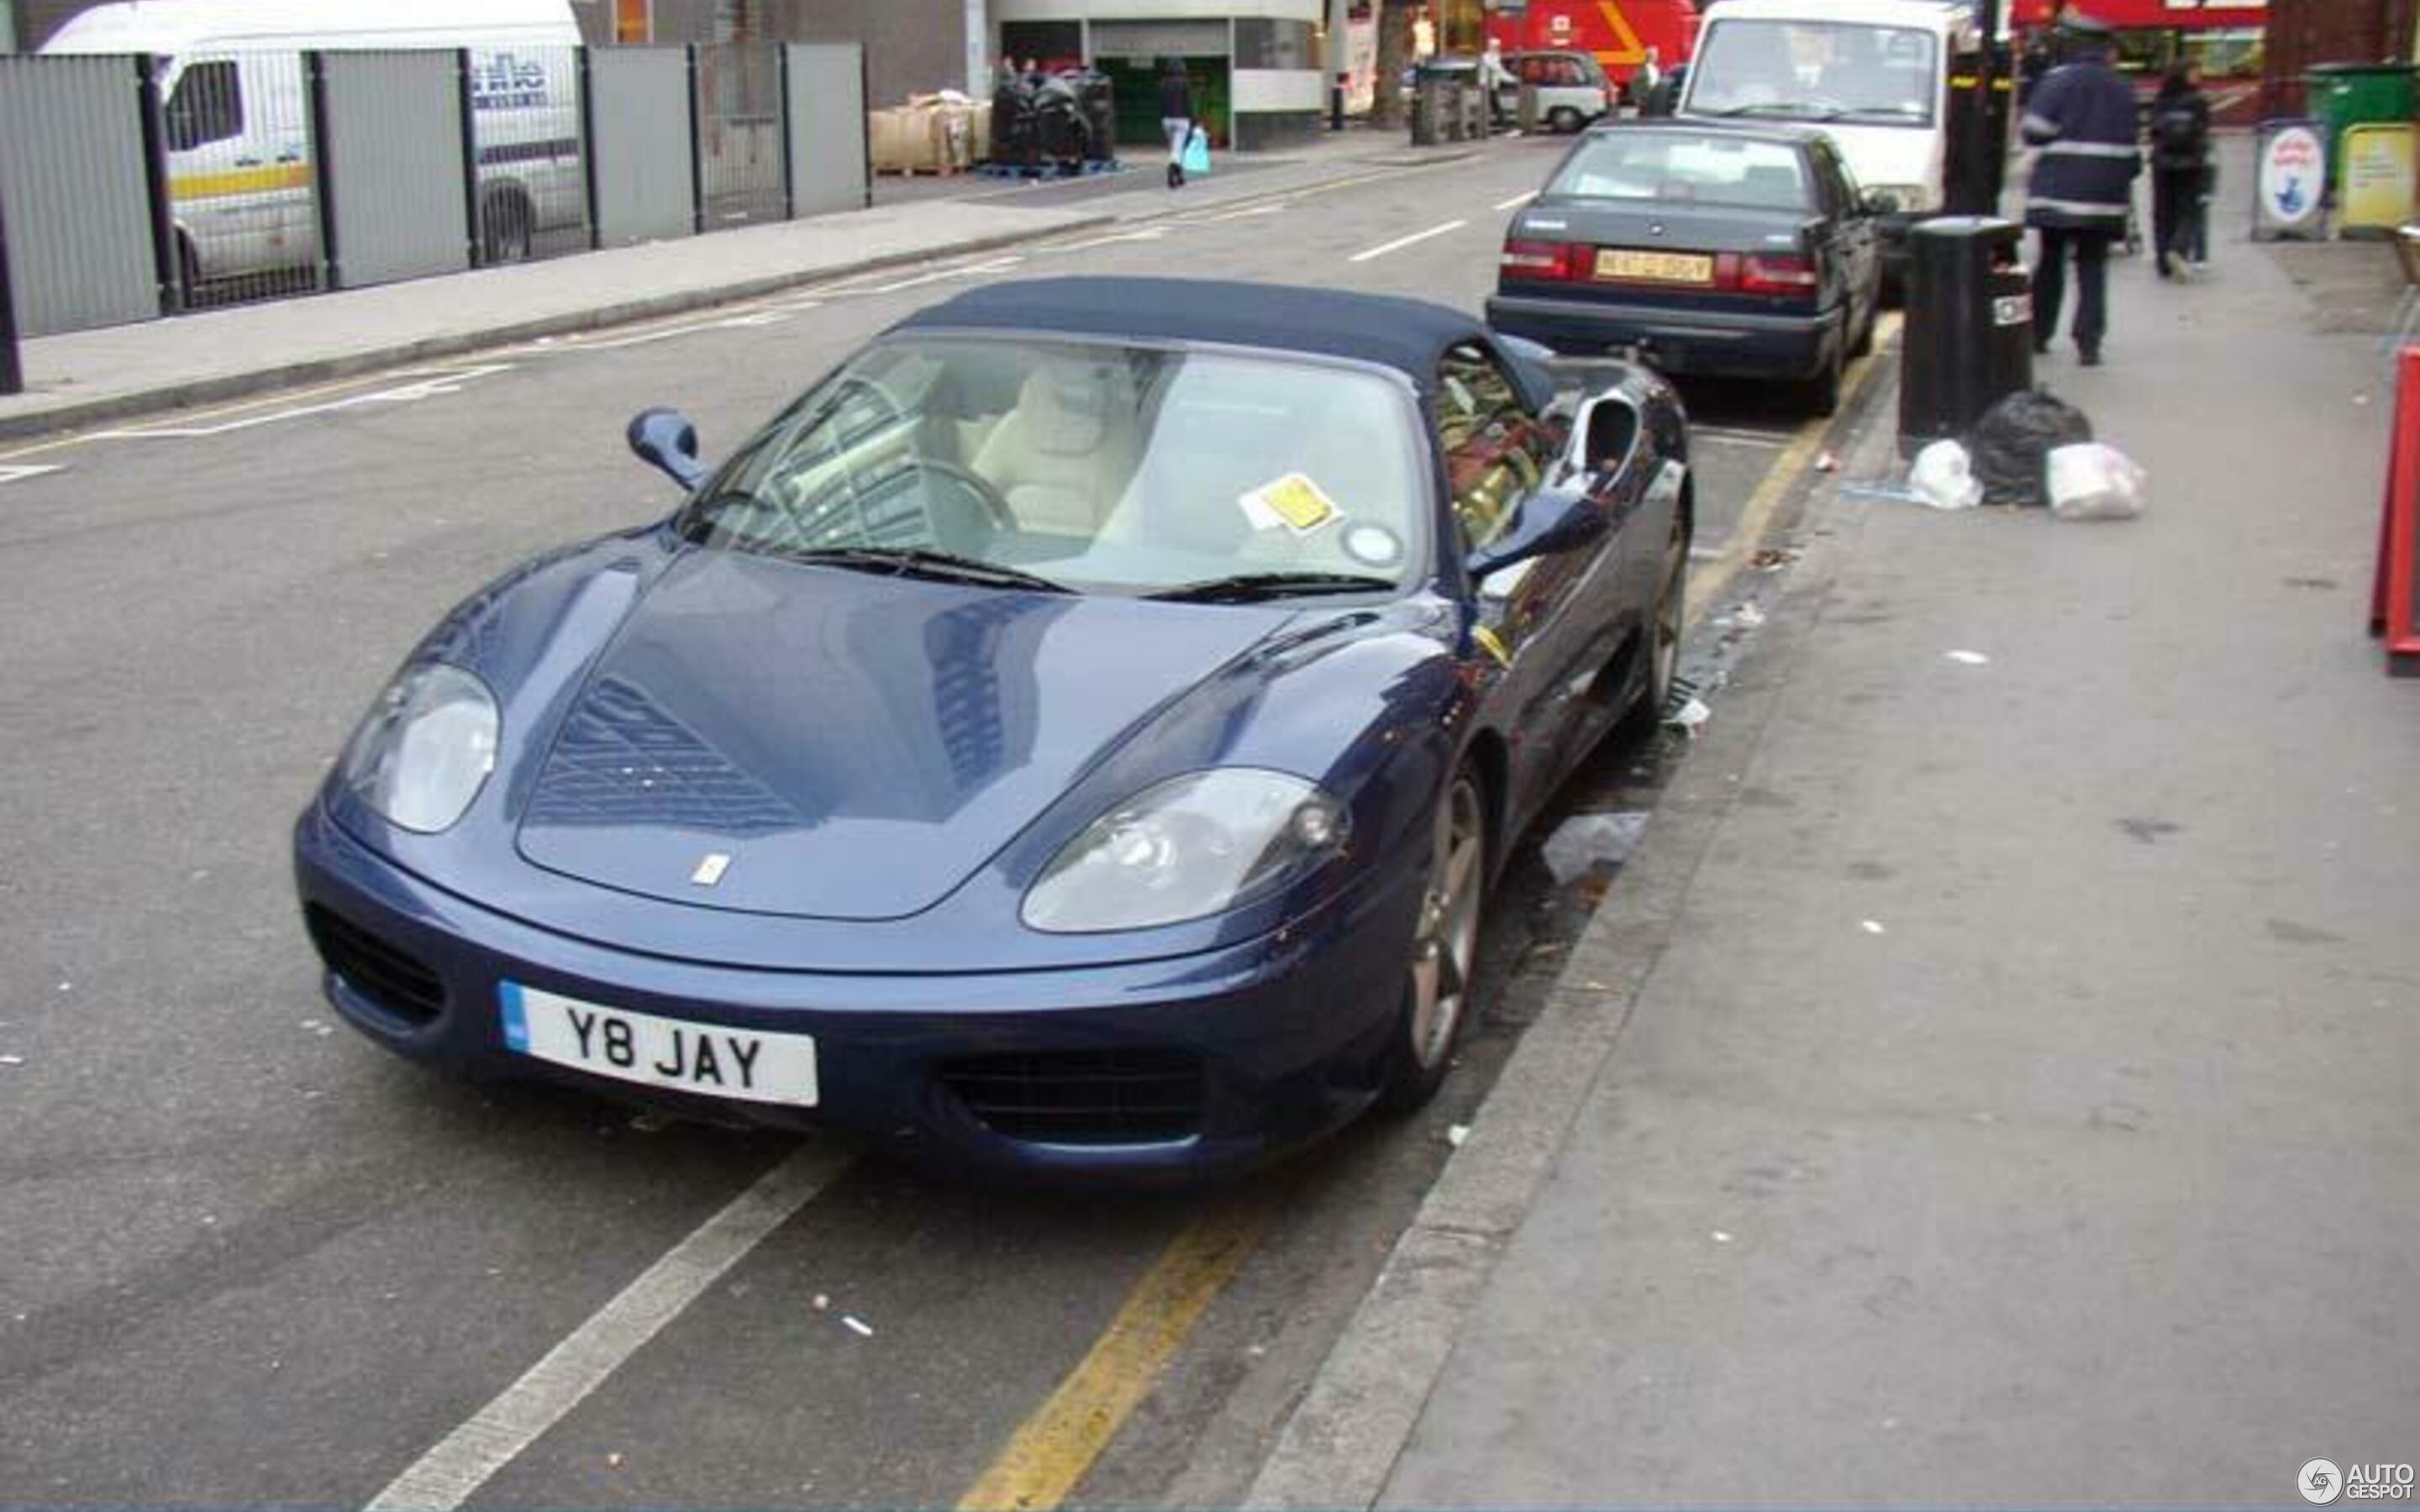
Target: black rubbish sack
2011 444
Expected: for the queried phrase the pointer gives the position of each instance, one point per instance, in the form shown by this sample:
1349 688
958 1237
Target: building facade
1255 65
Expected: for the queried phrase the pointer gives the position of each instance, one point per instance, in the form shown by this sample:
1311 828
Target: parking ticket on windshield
1294 502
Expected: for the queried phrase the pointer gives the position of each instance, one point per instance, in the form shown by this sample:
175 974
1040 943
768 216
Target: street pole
1982 172
12 372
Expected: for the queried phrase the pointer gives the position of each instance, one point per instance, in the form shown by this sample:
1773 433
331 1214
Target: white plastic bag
1944 477
2094 481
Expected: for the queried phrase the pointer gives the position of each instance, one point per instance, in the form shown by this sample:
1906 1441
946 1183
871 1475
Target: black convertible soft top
1408 335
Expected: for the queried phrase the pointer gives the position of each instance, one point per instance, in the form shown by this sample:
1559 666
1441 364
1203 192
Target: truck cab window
206 106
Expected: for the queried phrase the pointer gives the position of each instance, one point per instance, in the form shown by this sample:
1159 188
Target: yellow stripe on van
239 182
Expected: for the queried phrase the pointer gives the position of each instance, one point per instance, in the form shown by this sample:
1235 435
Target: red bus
1618 32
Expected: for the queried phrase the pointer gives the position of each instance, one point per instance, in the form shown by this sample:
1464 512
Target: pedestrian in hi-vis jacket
2081 122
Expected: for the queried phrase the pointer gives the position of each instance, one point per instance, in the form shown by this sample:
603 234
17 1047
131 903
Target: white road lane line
1401 242
995 265
21 472
1517 200
1147 234
737 322
430 384
452 1472
1245 213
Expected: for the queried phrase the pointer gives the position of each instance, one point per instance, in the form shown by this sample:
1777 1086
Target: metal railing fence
132 188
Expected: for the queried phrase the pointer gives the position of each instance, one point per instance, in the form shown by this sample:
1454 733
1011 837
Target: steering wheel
994 504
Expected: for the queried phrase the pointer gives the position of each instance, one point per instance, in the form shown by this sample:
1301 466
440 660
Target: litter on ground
857 1328
1586 841
1871 926
1456 1134
1689 717
1968 658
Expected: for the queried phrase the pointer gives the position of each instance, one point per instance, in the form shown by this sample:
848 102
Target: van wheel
189 272
1564 119
504 230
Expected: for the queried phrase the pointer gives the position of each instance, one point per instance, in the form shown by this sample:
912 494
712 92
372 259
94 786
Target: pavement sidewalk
89 377
1993 1080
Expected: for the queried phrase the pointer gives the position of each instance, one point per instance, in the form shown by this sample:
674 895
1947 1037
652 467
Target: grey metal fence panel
393 165
525 139
644 173
72 186
236 130
739 141
827 168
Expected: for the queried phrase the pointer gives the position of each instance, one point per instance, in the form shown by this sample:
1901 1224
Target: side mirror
1544 526
666 439
1603 434
1879 202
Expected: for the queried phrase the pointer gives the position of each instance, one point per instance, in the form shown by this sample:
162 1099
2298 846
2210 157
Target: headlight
1191 847
426 749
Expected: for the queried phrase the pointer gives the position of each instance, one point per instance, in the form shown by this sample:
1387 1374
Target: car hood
854 746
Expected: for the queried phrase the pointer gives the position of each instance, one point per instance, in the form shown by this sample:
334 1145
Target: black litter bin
1969 337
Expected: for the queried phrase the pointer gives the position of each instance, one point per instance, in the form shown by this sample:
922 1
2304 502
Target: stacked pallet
944 133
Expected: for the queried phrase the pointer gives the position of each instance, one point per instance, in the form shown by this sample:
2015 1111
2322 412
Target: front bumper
1287 1031
1719 343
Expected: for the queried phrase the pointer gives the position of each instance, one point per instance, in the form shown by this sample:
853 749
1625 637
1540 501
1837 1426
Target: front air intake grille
1083 1097
390 980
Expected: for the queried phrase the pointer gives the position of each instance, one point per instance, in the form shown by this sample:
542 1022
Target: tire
189 270
505 230
1565 120
1823 390
1443 951
1667 619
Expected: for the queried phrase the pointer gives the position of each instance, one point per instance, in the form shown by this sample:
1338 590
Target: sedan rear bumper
1276 1041
1722 343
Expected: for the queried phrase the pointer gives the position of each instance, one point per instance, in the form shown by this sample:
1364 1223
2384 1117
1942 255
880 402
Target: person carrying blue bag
1176 118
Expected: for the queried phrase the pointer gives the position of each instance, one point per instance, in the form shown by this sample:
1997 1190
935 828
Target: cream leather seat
1065 453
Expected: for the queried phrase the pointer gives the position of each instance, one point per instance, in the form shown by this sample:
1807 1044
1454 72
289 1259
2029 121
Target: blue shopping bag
1197 151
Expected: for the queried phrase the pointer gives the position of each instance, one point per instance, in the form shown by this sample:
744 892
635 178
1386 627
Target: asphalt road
250 1259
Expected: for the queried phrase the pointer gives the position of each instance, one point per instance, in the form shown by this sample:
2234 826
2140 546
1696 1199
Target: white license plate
749 1065
1626 265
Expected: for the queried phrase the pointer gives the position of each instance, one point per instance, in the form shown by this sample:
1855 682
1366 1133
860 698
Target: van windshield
1816 70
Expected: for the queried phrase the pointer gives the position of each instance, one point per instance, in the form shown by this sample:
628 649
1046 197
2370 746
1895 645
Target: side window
206 106
1531 70
1493 448
1566 73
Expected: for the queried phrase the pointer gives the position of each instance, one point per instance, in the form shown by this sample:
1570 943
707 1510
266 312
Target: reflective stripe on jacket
2082 120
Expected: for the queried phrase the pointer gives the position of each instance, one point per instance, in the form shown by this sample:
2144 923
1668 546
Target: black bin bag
2011 445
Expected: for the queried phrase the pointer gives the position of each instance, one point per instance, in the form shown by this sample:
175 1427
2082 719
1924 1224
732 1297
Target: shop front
1253 64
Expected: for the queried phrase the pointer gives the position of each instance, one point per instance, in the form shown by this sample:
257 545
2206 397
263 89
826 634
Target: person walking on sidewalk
1175 117
2179 168
2082 122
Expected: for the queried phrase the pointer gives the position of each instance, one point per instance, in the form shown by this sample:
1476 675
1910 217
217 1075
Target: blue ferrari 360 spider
1077 735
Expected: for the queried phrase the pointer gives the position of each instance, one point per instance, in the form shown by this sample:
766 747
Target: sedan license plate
1629 266
749 1065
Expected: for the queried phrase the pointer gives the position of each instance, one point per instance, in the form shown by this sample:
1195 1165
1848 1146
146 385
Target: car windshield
1120 469
1815 70
1672 166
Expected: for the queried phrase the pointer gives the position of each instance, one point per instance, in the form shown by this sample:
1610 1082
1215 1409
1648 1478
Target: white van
238 125
1875 74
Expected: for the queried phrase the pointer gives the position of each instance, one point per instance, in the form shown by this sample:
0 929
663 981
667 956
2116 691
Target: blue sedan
1077 734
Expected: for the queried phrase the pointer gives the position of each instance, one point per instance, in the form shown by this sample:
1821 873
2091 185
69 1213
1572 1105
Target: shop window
1273 44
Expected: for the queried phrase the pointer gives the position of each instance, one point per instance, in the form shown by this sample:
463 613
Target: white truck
1876 75
240 179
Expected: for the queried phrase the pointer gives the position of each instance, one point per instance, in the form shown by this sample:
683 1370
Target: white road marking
20 474
430 384
1749 438
1238 215
1147 234
737 322
1401 242
1517 201
994 266
452 1472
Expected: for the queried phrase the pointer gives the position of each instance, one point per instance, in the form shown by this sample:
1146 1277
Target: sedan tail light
1554 262
1791 276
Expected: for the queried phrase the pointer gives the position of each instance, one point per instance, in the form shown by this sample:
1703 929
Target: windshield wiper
1772 107
1258 587
920 561
1895 113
